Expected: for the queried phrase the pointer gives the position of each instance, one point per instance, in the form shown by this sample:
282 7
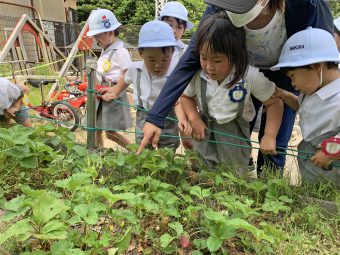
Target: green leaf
214 243
274 206
124 243
200 244
215 216
198 192
89 212
258 233
54 229
29 162
120 160
74 182
165 240
112 251
21 228
177 227
47 207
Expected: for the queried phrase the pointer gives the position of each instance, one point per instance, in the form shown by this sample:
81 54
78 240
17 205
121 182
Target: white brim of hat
156 44
102 30
304 63
190 25
337 23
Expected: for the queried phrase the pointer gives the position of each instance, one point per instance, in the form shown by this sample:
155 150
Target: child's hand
321 160
198 129
151 136
108 93
10 112
268 145
280 93
184 127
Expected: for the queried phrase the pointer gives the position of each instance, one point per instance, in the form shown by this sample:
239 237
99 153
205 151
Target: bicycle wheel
66 114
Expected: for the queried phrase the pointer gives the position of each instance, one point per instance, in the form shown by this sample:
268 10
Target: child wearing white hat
113 62
155 45
337 32
310 59
176 15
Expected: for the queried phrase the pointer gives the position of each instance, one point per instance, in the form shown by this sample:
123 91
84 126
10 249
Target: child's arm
288 98
324 157
274 110
197 124
183 123
10 112
112 93
322 160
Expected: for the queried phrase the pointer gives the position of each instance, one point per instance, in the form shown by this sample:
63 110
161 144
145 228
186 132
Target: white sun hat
177 10
102 20
307 47
337 23
155 34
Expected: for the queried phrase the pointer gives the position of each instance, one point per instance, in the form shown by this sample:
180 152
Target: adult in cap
268 24
112 63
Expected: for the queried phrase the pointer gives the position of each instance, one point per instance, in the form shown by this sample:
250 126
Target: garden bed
71 201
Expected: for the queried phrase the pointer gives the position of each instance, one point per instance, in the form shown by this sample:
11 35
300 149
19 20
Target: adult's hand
151 136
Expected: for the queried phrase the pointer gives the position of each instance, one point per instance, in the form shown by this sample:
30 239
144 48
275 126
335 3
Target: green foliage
5 70
335 8
67 200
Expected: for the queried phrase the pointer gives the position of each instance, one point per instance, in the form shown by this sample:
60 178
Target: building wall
15 11
51 10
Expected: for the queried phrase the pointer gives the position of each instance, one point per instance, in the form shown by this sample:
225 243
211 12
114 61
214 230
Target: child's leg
118 138
21 117
99 139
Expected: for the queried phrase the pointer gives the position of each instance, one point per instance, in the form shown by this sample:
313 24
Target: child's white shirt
150 86
178 53
219 103
320 112
120 61
9 93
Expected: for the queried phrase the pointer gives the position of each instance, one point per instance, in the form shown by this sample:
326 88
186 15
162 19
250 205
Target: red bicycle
69 107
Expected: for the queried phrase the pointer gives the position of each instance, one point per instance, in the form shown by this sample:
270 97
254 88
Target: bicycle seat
39 82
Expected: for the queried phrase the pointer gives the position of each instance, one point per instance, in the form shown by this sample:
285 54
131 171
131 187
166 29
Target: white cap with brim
307 47
176 10
156 33
235 6
240 20
337 23
101 21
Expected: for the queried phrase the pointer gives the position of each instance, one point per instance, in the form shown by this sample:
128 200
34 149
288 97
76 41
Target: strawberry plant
59 198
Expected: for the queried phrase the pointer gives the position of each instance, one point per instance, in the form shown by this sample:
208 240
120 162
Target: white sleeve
194 84
260 86
9 93
129 75
124 58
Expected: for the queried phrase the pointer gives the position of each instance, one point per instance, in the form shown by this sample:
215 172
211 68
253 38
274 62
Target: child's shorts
22 115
